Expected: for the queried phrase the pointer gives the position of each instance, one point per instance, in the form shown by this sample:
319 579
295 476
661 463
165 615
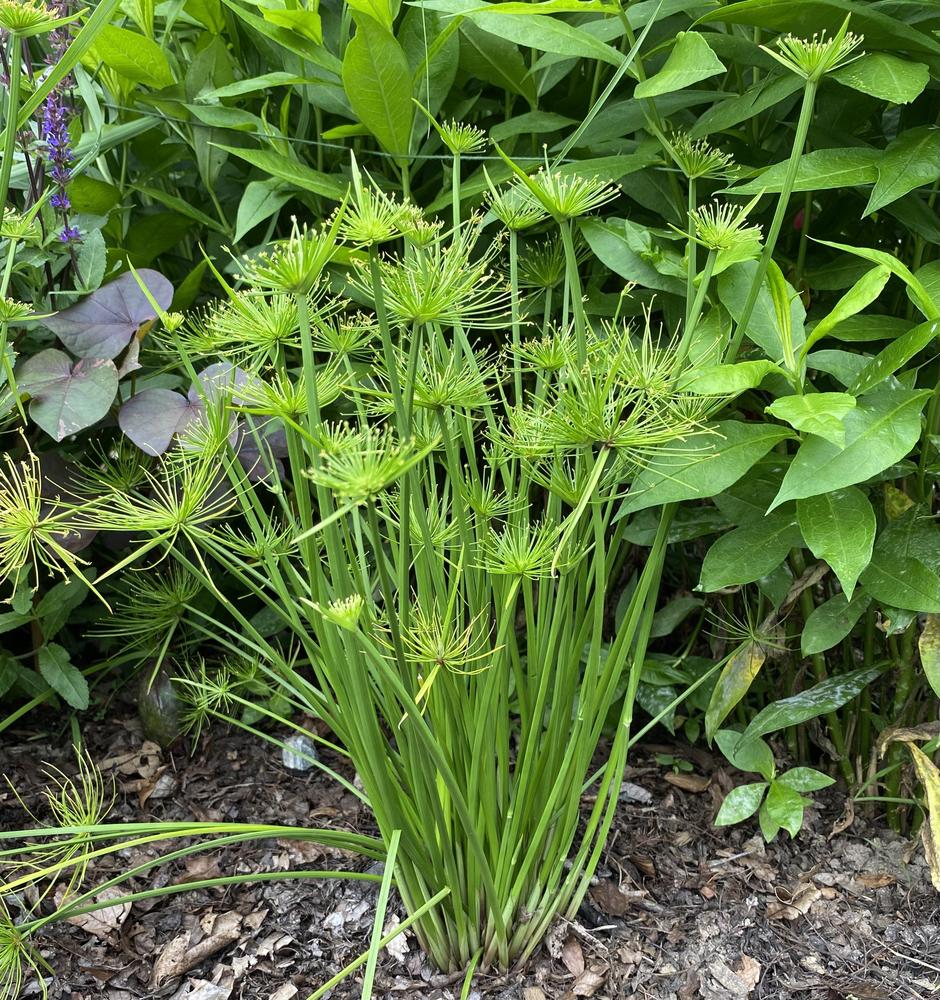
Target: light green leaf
805 779
827 696
751 551
532 30
839 527
857 298
379 10
702 465
785 807
285 168
611 245
884 75
902 581
302 20
820 413
64 678
131 55
919 294
754 755
733 683
762 329
882 429
377 80
820 170
690 61
740 803
895 356
928 646
910 161
728 380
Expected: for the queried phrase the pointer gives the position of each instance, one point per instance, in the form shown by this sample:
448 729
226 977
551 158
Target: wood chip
688 782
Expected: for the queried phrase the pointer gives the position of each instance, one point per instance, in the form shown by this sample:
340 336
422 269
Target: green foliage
424 442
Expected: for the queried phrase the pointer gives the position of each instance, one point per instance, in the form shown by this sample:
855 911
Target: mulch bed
680 910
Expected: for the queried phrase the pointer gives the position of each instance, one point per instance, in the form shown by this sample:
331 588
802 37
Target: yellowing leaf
929 647
930 832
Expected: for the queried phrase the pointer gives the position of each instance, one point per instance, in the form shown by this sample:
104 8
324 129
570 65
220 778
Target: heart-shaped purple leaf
102 324
67 397
152 417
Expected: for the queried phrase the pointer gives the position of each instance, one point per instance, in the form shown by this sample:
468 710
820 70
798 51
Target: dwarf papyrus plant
442 553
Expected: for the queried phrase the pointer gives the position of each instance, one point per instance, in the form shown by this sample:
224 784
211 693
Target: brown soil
680 910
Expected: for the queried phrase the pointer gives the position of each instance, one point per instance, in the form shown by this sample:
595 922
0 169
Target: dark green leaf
64 678
751 551
702 465
881 430
827 696
839 526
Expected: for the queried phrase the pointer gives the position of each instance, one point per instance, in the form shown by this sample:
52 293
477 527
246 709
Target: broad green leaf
820 170
740 803
530 123
725 114
532 30
929 776
820 413
733 288
67 397
912 533
867 327
754 755
290 40
302 20
132 56
728 380
751 551
690 61
377 80
895 356
843 366
785 807
380 11
495 60
62 676
253 85
928 646
259 202
882 429
827 696
733 683
886 76
839 527
902 581
702 465
919 295
667 619
285 168
748 499
58 603
832 622
611 245
858 297
804 18
910 161
805 779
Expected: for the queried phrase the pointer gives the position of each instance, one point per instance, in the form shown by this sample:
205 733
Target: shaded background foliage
207 125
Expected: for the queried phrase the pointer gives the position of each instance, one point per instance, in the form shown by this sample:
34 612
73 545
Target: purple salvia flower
54 127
